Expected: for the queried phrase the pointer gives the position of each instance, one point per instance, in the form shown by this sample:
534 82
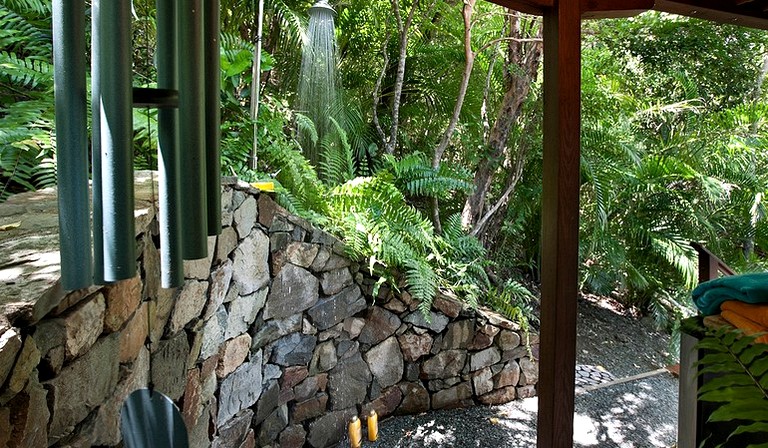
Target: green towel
750 288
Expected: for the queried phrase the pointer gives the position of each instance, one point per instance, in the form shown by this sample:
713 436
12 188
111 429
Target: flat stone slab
29 248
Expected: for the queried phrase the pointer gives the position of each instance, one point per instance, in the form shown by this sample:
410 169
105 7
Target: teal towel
750 288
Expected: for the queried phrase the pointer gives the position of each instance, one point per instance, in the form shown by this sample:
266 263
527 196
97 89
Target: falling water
317 79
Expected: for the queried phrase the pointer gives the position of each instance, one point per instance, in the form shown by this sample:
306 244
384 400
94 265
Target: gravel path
640 413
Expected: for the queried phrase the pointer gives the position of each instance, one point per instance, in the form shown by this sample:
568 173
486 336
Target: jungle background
430 161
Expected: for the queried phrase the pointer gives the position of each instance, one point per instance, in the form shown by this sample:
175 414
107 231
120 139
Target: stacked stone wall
275 339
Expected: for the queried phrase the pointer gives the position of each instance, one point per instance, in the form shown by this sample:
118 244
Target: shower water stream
317 79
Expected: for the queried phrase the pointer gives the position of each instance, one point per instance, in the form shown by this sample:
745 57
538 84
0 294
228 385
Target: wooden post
560 222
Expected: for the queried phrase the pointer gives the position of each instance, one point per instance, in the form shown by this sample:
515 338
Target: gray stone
271 372
529 372
242 312
107 426
227 211
274 329
482 381
334 281
330 428
414 346
485 358
273 425
450 306
26 362
267 403
412 371
415 398
213 333
160 312
336 262
50 337
251 268
324 358
10 344
233 397
437 322
459 335
307 327
318 265
82 385
293 436
456 397
293 290
294 349
386 362
169 366
189 304
308 388
526 392
200 268
234 432
226 243
345 348
508 340
380 324
301 254
348 382
220 280
332 333
444 365
333 310
354 326
245 217
508 376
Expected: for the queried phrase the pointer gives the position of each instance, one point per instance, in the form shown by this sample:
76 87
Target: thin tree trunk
525 54
403 29
377 91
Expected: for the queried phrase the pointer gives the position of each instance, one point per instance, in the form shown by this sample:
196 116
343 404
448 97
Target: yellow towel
749 326
755 313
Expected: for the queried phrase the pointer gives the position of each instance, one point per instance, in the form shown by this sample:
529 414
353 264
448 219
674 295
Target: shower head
322 5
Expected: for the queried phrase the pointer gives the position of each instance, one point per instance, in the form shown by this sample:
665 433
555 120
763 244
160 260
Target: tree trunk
525 54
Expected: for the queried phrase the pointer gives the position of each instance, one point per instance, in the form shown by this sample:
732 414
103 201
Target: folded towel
750 327
750 288
755 313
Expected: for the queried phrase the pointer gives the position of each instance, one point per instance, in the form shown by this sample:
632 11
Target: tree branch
377 91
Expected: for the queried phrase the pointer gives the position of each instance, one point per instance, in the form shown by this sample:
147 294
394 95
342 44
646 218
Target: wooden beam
747 14
535 7
611 9
560 223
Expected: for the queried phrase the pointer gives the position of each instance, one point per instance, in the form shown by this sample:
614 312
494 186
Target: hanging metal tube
96 194
191 128
212 114
171 265
71 142
116 131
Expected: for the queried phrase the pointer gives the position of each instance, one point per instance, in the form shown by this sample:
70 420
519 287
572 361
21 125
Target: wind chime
187 99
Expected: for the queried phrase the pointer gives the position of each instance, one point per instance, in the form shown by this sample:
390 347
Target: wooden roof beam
590 9
751 14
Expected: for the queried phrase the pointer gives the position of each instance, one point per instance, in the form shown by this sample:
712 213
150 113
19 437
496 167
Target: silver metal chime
187 99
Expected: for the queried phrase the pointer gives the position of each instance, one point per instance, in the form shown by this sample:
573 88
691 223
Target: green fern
739 382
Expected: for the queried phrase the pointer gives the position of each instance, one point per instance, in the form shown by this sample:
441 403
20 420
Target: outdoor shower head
322 5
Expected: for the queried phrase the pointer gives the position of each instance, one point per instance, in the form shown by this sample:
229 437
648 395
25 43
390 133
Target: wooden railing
710 267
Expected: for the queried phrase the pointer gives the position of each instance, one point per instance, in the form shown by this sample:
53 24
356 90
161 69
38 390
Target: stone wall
274 340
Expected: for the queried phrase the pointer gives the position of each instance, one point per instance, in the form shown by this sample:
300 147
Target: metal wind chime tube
171 265
71 142
191 128
212 114
116 131
96 196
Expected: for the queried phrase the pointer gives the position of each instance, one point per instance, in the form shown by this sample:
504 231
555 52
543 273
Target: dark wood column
560 222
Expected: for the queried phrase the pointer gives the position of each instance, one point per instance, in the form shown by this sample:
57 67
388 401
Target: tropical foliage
736 369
